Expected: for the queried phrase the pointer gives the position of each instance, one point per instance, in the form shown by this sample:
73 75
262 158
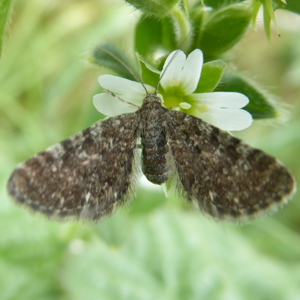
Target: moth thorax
156 163
152 98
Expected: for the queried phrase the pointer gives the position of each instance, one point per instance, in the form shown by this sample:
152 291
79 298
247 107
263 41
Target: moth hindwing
90 174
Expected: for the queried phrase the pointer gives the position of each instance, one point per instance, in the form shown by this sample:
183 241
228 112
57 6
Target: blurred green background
154 248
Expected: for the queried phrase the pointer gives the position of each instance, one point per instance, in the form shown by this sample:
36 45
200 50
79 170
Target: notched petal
181 71
191 71
172 67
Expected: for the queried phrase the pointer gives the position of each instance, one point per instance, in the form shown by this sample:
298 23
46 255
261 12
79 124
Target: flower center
173 96
171 101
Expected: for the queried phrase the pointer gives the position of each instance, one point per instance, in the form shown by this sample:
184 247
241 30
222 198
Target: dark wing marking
221 175
85 176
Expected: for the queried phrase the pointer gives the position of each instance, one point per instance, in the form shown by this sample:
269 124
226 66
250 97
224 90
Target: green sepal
267 21
258 106
156 8
198 15
155 39
105 56
211 74
222 29
255 10
269 7
149 74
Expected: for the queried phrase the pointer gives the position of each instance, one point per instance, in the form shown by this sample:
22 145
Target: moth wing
86 176
221 175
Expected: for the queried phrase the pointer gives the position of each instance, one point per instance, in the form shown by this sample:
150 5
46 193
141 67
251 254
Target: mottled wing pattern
86 176
221 175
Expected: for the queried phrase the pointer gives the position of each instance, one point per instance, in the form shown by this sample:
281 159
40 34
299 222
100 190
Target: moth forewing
86 176
224 177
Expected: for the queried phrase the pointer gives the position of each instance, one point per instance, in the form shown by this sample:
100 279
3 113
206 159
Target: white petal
222 99
172 67
227 118
110 105
181 71
128 90
190 74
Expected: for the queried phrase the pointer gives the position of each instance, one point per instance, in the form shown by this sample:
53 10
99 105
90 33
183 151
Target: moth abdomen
156 151
155 158
155 162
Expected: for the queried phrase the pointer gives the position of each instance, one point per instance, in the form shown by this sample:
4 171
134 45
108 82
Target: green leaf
109 56
5 6
293 5
223 29
157 8
259 106
212 73
155 39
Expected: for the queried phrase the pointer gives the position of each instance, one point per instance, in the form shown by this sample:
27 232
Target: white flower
179 79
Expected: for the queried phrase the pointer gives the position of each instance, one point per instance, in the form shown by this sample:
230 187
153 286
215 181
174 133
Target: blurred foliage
155 248
5 6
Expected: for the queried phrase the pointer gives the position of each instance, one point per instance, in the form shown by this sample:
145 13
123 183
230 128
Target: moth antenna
137 78
120 99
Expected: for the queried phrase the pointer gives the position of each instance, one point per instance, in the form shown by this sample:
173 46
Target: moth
90 174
